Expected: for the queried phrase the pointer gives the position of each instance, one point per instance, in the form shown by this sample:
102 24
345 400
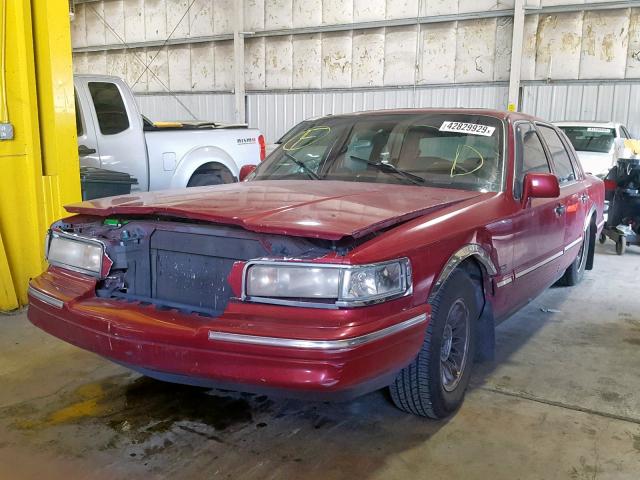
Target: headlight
341 285
75 253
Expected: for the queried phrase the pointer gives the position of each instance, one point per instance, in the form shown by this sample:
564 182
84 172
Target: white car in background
595 143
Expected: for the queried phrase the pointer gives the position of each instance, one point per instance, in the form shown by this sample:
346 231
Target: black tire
574 274
211 177
603 238
621 245
420 388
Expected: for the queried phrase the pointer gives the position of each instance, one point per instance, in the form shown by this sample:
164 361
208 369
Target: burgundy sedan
368 250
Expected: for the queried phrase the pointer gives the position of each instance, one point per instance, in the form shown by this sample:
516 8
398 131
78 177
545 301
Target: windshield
436 150
591 139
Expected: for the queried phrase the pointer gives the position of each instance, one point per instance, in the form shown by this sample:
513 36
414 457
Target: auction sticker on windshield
472 128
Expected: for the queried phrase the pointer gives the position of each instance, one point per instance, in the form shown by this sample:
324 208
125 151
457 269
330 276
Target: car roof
587 123
500 114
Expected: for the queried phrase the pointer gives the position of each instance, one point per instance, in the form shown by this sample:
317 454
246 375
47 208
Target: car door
538 226
119 134
87 142
572 192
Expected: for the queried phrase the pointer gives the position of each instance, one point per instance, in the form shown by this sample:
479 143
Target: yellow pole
40 164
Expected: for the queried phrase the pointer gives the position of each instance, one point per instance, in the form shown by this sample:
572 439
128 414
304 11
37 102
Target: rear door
572 193
118 129
539 225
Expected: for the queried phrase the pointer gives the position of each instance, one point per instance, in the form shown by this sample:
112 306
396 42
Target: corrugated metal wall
618 102
275 113
217 107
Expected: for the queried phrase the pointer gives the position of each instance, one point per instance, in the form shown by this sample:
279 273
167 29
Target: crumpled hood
596 163
316 209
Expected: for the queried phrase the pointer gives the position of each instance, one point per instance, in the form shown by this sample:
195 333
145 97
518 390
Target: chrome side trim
600 224
43 297
469 250
323 345
539 264
504 281
572 244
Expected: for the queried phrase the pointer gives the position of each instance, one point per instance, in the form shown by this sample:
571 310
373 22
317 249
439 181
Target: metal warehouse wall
618 102
276 113
308 57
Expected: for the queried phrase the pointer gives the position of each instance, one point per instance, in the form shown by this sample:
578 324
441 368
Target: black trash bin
100 183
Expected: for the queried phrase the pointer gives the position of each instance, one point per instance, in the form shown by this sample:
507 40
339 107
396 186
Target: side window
79 127
624 132
561 160
530 158
110 110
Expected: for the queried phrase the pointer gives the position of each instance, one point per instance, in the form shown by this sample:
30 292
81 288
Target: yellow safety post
56 107
40 164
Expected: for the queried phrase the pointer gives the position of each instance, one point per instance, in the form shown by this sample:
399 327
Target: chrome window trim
407 284
469 250
43 297
76 238
321 345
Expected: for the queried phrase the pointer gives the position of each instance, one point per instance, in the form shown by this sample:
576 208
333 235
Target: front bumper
251 347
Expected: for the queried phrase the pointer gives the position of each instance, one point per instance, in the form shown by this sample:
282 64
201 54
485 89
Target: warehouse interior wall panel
450 61
598 44
618 102
204 106
275 113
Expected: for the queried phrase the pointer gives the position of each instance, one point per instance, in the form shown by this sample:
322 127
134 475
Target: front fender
197 157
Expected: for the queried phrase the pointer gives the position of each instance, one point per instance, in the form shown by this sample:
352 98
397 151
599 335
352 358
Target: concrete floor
561 401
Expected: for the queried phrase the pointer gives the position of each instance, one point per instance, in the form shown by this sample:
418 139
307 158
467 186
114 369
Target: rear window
110 109
591 139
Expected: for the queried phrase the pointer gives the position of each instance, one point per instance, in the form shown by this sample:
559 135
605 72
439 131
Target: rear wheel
434 384
603 238
621 245
217 176
574 274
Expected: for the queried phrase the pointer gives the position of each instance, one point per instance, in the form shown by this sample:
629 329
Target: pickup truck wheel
573 275
621 245
434 384
210 177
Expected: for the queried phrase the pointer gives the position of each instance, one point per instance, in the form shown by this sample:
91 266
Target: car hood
316 209
596 163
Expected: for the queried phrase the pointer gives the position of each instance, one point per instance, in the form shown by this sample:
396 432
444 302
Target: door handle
584 197
560 209
83 150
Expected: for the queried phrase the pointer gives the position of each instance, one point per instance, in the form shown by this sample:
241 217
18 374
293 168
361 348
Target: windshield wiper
390 168
310 172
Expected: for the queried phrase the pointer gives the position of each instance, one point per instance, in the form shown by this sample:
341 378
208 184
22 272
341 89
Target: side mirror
245 171
540 185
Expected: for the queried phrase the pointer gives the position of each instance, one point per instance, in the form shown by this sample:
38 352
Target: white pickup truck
113 135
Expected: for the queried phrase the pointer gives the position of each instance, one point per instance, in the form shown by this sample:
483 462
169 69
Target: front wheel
434 384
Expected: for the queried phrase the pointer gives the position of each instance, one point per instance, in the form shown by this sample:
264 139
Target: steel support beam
516 56
238 63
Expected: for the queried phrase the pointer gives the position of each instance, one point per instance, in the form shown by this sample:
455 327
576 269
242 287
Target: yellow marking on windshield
306 138
455 161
